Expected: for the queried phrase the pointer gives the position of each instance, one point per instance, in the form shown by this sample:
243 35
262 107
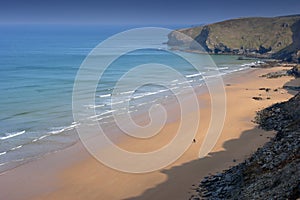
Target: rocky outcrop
295 71
273 172
291 53
277 37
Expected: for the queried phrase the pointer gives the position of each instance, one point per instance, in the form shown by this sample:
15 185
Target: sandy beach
73 174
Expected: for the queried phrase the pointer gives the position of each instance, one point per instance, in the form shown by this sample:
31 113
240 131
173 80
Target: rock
228 178
276 74
206 194
295 88
295 71
257 98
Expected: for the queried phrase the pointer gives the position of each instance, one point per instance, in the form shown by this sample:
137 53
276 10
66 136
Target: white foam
253 63
141 104
193 75
101 118
222 68
95 106
163 90
35 140
54 132
137 97
15 148
3 153
148 94
104 95
151 93
94 116
71 127
118 102
107 112
1 164
128 92
182 83
10 135
42 137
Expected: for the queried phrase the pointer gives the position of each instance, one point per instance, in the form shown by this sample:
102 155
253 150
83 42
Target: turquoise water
38 66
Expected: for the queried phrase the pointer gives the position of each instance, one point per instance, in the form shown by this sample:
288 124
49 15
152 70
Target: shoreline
74 174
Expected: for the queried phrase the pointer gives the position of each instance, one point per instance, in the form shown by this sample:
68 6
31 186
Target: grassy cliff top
254 33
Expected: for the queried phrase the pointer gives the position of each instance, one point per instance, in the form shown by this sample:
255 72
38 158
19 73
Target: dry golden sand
73 174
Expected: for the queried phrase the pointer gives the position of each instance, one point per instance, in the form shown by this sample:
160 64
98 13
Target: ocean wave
35 140
42 137
127 92
11 135
1 164
149 94
106 112
104 95
58 130
193 75
101 118
3 153
54 132
15 148
94 106
223 68
118 102
163 90
256 63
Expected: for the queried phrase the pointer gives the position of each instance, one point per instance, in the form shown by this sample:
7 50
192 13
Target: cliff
277 37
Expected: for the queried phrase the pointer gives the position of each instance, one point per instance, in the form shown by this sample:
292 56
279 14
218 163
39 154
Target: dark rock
295 71
276 74
257 98
295 88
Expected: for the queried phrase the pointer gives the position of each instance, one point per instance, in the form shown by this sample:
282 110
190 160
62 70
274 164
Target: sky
130 12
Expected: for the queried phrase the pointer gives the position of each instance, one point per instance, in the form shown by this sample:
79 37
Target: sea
38 68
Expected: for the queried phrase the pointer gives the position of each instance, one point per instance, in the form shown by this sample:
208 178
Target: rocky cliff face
277 37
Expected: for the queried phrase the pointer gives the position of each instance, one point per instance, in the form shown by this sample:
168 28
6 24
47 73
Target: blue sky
140 11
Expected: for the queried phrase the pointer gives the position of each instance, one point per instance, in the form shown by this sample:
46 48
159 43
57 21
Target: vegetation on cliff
277 37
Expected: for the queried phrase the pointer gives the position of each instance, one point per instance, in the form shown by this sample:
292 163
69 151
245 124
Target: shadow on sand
180 179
